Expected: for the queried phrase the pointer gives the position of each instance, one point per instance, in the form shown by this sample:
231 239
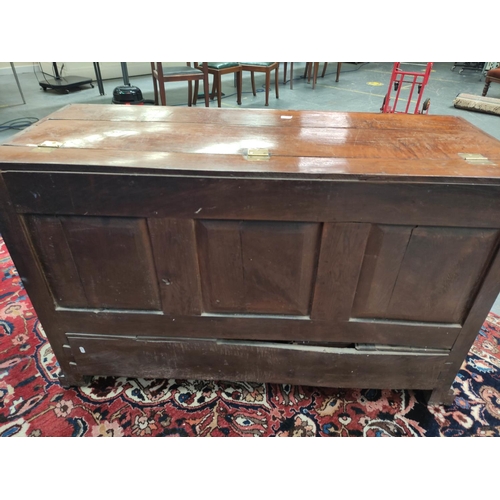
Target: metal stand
471 66
64 83
17 81
126 80
97 70
98 78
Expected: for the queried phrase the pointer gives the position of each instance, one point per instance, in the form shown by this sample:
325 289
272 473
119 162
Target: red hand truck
417 79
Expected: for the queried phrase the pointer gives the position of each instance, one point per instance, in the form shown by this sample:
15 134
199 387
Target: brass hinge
50 144
257 154
475 159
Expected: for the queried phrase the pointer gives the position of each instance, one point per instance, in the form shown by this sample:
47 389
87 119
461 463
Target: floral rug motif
32 403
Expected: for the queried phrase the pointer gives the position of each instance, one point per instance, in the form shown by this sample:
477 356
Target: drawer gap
399 348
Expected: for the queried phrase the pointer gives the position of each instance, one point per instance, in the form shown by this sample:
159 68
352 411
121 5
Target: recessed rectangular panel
440 273
257 267
426 274
114 260
56 259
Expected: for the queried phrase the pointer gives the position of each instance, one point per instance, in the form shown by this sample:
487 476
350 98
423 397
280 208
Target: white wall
86 69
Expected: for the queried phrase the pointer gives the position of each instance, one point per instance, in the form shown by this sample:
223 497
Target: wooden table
315 248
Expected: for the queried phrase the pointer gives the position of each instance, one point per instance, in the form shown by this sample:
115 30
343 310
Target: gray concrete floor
361 88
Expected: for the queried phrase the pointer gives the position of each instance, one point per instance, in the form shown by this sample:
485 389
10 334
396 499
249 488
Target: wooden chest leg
69 379
441 396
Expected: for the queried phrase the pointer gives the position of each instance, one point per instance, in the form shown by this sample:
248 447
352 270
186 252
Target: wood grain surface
215 140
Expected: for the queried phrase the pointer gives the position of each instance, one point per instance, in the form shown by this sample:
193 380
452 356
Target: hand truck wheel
426 105
383 104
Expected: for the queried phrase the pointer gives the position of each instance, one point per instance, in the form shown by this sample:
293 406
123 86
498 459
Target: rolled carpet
477 103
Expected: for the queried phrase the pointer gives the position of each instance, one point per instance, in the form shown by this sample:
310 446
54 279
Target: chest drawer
253 361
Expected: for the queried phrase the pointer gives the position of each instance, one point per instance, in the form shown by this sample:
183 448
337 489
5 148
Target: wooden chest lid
293 143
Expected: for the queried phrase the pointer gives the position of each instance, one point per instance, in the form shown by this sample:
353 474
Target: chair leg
206 86
291 76
309 68
239 85
339 65
163 96
305 70
219 89
486 87
190 94
315 74
252 77
268 84
284 72
324 70
155 83
196 90
276 82
155 89
214 87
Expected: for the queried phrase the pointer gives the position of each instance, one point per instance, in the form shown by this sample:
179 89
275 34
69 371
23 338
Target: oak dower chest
315 248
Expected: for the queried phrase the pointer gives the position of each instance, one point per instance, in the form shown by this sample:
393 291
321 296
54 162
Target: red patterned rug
32 403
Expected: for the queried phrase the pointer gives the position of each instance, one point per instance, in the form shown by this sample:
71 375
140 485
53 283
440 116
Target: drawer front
253 361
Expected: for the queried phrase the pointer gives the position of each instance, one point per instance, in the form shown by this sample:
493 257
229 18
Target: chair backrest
179 73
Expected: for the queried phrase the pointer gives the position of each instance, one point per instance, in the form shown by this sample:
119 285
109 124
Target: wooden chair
217 69
493 75
263 67
186 73
314 67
